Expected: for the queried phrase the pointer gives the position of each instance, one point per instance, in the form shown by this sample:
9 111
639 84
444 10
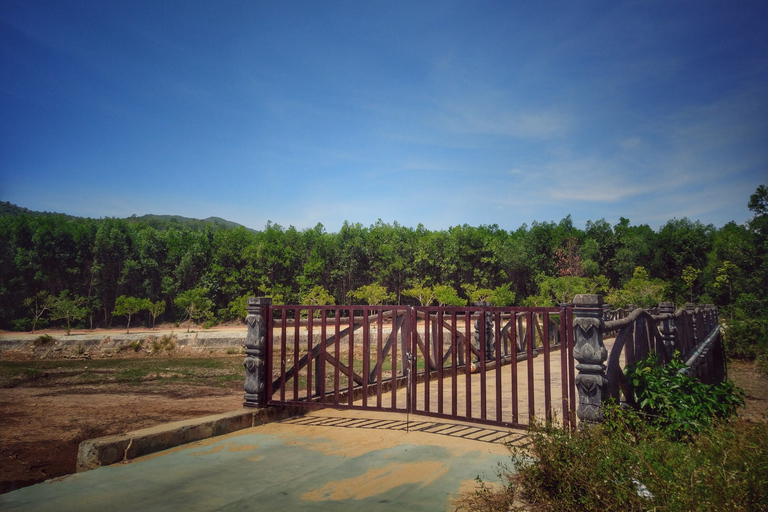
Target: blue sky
439 113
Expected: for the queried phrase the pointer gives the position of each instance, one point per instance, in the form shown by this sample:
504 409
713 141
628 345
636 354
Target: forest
81 272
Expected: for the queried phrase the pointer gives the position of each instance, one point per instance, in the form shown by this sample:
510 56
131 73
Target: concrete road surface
359 461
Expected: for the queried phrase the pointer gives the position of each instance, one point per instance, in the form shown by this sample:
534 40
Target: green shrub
43 340
676 403
22 324
626 463
746 339
166 342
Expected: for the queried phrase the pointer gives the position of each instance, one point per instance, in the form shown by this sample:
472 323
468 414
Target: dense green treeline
157 260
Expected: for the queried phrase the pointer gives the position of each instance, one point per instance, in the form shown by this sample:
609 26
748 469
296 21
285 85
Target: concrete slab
307 463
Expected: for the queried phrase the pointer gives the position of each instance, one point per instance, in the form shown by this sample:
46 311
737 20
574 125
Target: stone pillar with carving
590 354
690 308
667 312
487 324
256 374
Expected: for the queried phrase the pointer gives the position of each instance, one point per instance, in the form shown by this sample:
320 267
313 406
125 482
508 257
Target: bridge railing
693 331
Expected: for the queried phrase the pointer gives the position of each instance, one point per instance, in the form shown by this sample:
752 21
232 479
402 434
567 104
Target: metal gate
482 364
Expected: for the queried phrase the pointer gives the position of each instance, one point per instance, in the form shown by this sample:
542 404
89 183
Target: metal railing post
256 352
590 353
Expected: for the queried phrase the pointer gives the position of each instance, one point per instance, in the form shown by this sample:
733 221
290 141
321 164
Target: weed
675 402
166 342
44 340
627 464
80 349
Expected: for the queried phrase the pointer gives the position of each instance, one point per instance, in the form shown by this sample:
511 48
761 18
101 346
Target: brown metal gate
489 365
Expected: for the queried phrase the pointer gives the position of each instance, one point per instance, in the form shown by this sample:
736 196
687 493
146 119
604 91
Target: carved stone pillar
690 308
667 309
487 324
256 352
590 354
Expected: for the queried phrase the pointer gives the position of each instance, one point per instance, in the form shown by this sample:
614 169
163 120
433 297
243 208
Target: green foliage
475 294
43 340
690 275
317 296
640 291
38 305
373 294
238 308
68 308
155 309
159 257
196 304
502 296
447 296
676 403
129 306
624 464
164 343
424 294
746 339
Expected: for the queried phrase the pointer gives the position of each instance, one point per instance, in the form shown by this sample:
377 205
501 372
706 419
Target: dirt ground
43 420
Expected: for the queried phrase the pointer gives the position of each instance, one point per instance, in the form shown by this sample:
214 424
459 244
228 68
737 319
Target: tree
374 294
129 306
39 304
317 296
447 296
724 279
424 294
68 308
690 275
502 296
475 294
156 309
640 291
196 304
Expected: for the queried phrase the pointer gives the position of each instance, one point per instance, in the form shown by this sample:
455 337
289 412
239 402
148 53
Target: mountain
161 222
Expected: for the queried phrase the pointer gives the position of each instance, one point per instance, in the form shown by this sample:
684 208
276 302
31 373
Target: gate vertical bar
393 358
337 348
530 340
427 360
296 337
310 362
255 350
351 357
366 355
379 356
547 374
571 369
439 359
480 326
497 337
454 369
320 368
283 350
564 373
513 368
468 359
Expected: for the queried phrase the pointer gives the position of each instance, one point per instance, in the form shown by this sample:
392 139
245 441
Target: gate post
256 351
667 310
590 353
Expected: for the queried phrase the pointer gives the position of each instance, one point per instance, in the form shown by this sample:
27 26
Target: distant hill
165 221
160 222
